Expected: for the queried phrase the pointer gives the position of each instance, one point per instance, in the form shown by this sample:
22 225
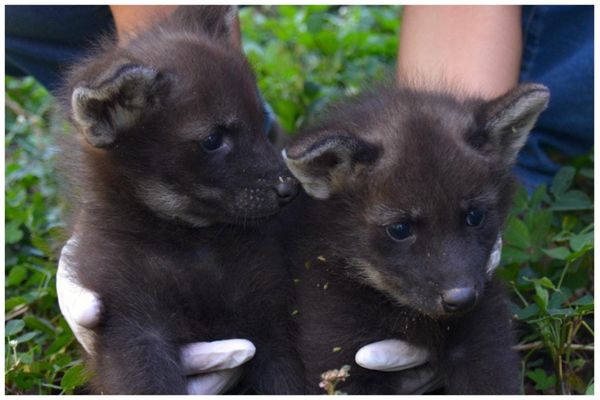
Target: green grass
304 57
40 349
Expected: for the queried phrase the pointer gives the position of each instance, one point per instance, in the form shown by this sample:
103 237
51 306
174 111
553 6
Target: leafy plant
305 57
548 262
40 351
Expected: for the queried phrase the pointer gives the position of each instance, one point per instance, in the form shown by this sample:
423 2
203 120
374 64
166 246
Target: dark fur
166 233
395 155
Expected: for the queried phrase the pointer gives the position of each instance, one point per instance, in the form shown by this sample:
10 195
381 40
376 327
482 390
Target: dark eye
474 217
212 142
399 231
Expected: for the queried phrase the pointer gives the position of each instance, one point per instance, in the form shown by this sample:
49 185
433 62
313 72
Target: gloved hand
397 355
211 367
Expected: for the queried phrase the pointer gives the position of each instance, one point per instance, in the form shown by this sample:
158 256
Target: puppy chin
255 208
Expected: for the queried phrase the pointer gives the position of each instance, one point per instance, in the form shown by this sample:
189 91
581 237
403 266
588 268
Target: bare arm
132 19
476 48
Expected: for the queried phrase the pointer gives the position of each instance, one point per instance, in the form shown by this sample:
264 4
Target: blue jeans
558 51
43 40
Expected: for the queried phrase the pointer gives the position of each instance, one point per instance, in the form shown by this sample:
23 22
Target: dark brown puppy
174 180
411 190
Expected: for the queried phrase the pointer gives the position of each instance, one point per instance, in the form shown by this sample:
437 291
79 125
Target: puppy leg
137 360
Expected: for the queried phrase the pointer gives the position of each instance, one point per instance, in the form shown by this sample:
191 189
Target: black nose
458 299
286 190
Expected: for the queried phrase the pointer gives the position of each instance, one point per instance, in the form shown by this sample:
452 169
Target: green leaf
578 254
590 390
42 244
584 301
577 242
542 381
60 342
37 323
512 255
559 253
74 377
16 275
562 312
12 232
13 302
527 312
517 234
316 22
545 282
584 310
26 337
539 224
62 360
25 381
557 299
539 195
327 42
569 222
541 295
13 327
521 199
572 200
562 180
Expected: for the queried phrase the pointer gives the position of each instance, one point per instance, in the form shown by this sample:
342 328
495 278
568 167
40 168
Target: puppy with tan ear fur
409 191
175 186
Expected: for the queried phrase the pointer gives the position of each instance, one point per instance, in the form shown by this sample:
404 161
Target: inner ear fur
507 121
102 111
323 165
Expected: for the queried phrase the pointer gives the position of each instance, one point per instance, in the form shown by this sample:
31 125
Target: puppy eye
212 142
399 231
474 217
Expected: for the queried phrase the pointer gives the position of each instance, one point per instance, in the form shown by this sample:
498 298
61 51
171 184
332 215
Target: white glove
211 367
397 355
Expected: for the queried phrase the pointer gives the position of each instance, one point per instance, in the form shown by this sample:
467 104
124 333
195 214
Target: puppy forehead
407 115
416 187
196 127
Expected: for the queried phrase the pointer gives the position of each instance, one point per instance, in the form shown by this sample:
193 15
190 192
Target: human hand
394 355
211 367
397 355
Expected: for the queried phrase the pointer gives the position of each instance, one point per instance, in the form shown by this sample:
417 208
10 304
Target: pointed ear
324 163
118 103
508 120
217 21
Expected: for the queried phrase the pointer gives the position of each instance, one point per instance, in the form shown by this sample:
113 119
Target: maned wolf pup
174 174
412 189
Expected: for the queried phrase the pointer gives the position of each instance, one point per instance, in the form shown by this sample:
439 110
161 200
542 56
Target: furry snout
286 189
460 299
266 198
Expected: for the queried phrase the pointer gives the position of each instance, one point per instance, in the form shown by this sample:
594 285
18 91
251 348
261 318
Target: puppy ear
508 120
324 164
216 21
102 111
